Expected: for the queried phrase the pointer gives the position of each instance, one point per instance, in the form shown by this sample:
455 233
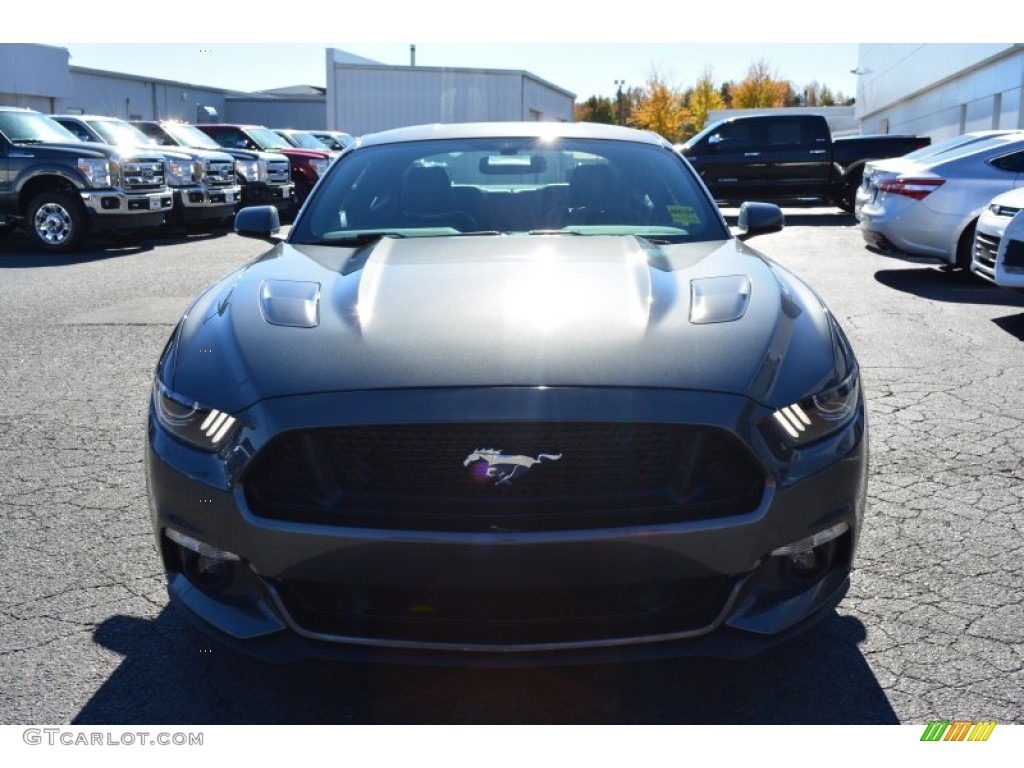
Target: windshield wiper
27 141
362 238
553 232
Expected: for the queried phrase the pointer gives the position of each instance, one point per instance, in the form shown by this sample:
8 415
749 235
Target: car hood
303 154
249 154
70 149
485 311
1012 199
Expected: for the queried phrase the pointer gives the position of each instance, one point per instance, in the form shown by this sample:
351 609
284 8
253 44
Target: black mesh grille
506 617
1014 254
416 477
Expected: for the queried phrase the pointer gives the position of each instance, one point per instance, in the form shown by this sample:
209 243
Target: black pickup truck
58 188
787 157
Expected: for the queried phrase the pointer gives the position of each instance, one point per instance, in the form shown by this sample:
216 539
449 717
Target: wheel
57 222
302 190
965 247
848 197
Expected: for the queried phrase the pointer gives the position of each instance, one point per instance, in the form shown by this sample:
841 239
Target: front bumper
201 202
261 193
911 228
115 209
699 587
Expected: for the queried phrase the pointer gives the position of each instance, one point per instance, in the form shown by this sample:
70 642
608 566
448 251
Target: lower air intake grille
506 617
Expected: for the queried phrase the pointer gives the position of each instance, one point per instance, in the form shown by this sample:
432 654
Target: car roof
984 149
91 117
512 130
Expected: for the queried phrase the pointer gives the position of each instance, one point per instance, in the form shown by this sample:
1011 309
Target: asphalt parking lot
931 628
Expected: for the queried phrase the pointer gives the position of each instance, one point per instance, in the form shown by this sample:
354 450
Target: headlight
248 169
822 414
98 171
180 172
320 166
198 425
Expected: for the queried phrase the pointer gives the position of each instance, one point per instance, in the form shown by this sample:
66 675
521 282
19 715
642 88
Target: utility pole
618 99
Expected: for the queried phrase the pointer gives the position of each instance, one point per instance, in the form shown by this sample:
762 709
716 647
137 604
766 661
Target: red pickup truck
307 165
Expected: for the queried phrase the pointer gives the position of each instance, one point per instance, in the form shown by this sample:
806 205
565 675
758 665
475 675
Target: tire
302 190
57 222
965 248
848 197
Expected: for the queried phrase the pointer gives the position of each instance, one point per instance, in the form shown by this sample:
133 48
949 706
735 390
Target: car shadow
1012 324
172 675
947 285
17 253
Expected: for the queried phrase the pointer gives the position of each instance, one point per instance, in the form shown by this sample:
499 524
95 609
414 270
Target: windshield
189 136
305 140
267 139
29 127
503 185
120 133
336 141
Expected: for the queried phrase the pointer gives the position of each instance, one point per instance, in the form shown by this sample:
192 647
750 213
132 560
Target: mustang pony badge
493 464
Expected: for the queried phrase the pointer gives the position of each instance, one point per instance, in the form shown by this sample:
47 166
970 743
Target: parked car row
202 180
939 202
65 175
998 254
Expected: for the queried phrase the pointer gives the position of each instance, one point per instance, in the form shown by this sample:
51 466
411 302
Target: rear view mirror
512 164
258 221
759 219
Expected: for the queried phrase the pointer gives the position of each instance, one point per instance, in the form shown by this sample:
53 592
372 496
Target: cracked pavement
932 627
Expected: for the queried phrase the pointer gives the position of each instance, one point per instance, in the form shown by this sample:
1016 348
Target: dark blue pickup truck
59 188
782 158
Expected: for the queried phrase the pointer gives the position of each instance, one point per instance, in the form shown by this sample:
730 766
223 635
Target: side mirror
261 221
714 142
759 219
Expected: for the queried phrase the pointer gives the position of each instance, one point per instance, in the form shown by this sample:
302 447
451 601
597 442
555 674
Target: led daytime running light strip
793 419
216 425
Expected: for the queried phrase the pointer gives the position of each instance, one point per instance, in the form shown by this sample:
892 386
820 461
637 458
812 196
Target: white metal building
365 96
939 90
33 76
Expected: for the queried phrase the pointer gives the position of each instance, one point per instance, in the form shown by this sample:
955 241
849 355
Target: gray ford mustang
507 394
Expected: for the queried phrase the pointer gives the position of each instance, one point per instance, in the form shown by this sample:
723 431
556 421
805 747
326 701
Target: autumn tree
660 109
704 98
760 88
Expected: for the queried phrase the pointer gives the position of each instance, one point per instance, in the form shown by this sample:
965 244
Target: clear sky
583 68
583 47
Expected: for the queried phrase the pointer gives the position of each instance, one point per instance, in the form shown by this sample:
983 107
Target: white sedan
930 208
999 242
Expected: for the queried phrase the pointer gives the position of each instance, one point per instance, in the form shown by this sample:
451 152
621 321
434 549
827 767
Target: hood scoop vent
291 303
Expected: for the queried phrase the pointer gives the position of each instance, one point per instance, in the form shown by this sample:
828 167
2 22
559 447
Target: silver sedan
931 207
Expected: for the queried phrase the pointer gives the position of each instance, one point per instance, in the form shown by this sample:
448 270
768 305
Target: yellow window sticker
683 214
